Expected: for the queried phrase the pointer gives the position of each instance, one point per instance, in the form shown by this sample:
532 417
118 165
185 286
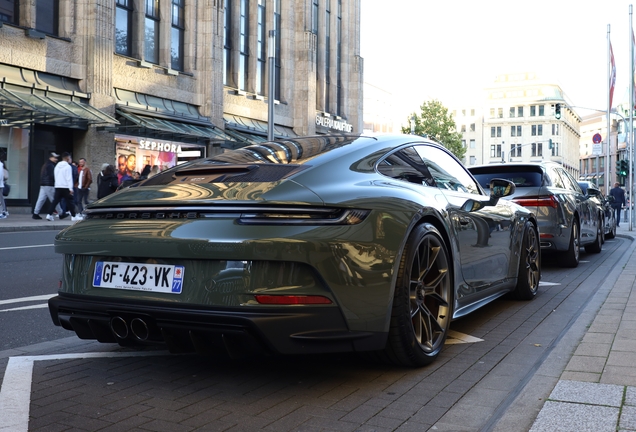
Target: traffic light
619 167
557 111
550 144
624 167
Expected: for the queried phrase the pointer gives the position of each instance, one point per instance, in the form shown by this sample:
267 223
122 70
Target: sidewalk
592 371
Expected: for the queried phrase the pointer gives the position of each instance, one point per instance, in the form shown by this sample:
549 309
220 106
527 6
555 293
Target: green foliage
438 124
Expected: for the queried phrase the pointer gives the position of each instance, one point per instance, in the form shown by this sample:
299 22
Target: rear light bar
291 299
537 202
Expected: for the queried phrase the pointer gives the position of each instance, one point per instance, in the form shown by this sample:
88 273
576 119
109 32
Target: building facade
517 123
158 82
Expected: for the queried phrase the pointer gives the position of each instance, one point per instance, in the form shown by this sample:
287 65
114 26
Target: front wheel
422 302
529 265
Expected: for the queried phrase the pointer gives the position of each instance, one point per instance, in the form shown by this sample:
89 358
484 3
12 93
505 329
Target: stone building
516 122
158 82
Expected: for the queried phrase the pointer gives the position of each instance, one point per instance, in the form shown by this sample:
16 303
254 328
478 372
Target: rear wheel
422 302
571 256
597 246
529 265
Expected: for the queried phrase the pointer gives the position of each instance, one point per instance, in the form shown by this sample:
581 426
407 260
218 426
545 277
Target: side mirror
610 198
593 192
500 188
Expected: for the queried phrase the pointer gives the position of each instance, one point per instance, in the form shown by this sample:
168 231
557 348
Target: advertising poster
133 155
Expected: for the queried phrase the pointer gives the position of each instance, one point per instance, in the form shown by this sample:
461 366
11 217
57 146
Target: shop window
151 36
47 16
178 30
123 27
10 12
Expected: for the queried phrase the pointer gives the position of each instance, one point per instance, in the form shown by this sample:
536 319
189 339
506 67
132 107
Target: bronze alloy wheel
423 298
529 265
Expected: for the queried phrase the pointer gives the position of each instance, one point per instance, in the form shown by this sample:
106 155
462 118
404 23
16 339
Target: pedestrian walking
619 201
85 179
63 188
4 176
106 181
47 186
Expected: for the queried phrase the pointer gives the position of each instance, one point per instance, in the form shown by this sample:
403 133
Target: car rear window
521 178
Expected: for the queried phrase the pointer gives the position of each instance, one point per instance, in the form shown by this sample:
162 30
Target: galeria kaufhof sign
331 123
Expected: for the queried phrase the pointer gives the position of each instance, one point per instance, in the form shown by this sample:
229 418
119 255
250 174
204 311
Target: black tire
571 256
422 302
597 246
529 273
612 232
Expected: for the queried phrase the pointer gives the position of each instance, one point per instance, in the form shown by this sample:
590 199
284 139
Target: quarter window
446 171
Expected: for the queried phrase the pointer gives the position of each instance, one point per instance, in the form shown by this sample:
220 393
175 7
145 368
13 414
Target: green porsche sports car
309 245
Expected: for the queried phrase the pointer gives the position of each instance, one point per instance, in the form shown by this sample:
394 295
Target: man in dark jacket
619 201
47 185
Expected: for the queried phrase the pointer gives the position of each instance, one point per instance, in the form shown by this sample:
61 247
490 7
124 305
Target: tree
436 123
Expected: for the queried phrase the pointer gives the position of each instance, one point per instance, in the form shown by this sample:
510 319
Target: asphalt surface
585 381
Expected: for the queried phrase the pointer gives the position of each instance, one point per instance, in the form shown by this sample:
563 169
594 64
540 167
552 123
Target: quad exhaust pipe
138 327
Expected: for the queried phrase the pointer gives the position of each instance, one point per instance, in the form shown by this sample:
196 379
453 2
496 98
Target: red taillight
291 299
537 202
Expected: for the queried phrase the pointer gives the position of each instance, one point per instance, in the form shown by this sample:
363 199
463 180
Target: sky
451 50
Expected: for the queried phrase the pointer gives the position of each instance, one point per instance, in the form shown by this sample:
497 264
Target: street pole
609 108
630 131
271 48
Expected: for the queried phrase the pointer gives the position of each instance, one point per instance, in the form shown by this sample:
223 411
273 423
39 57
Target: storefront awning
21 106
161 128
253 131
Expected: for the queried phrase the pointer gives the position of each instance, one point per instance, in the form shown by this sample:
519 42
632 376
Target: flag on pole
612 80
633 70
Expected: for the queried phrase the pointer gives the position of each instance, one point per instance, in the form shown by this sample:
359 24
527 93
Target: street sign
596 139
597 149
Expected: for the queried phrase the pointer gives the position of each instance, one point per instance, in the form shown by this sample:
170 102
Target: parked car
568 219
308 245
605 202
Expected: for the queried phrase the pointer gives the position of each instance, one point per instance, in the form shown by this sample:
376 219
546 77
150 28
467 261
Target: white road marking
542 283
27 299
455 337
15 395
37 306
25 247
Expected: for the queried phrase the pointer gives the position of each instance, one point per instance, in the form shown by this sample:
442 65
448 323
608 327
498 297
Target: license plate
139 277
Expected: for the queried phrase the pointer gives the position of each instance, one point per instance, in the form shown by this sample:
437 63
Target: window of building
541 110
261 48
339 93
327 55
472 127
520 111
555 129
178 30
492 113
472 143
537 130
512 111
537 149
279 36
463 129
463 113
227 42
472 112
515 131
151 36
244 25
515 150
500 112
123 27
533 110
555 149
10 12
463 143
47 16
314 17
473 160
495 151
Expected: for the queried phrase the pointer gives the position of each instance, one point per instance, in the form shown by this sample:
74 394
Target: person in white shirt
4 175
63 188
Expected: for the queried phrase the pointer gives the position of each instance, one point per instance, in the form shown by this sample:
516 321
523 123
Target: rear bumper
232 331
